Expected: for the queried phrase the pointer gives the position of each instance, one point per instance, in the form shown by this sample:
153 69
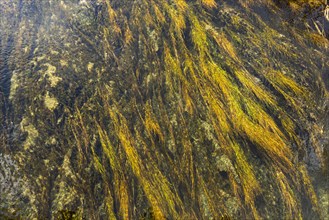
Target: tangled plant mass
166 109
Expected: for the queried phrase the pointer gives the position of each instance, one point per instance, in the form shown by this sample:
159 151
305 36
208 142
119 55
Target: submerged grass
199 71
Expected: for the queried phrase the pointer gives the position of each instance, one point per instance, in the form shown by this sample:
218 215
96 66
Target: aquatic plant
186 63
173 109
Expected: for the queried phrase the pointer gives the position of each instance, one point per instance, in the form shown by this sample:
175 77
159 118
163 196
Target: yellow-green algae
50 102
32 133
49 73
190 110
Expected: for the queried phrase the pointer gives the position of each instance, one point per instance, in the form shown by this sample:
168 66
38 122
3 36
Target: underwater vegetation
156 109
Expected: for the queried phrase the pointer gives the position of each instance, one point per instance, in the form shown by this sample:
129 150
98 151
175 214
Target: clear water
53 57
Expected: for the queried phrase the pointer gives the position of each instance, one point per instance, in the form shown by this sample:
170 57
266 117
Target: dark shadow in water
5 73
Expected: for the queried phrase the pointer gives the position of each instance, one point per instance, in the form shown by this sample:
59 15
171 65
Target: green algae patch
90 66
50 102
50 75
63 63
32 133
14 85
